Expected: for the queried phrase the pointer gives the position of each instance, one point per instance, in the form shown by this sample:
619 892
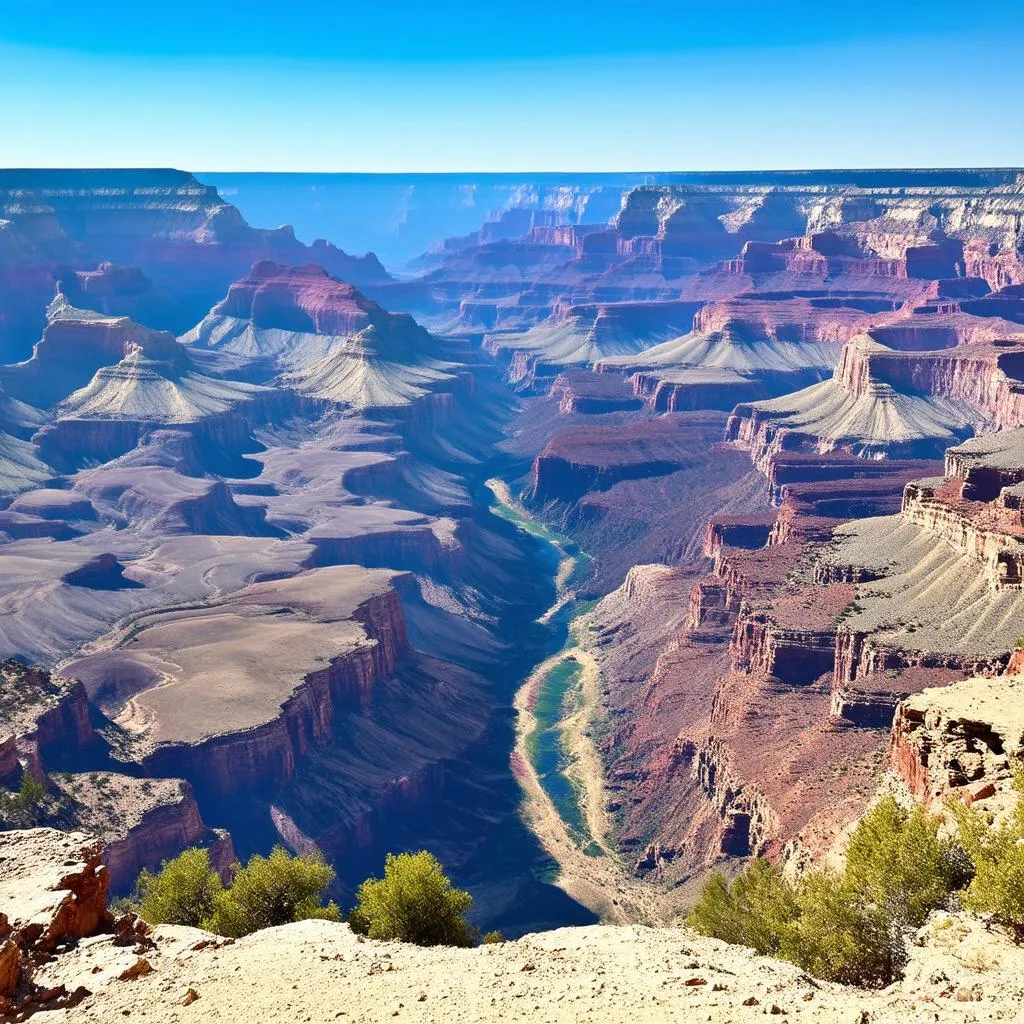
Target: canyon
717 478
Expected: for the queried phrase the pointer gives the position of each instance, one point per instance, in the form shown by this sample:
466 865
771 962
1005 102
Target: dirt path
602 883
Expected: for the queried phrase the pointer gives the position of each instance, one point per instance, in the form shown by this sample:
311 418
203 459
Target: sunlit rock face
330 342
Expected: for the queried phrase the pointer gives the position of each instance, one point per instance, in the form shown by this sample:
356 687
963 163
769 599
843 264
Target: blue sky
459 85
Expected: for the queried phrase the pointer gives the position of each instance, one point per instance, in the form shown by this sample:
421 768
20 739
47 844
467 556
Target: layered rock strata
962 740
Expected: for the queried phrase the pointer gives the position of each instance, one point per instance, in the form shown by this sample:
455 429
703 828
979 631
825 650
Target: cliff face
960 541
754 666
961 739
47 717
270 715
161 832
334 344
578 461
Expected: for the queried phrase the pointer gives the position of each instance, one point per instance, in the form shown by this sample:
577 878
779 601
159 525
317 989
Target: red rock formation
960 739
265 757
298 299
53 891
584 392
162 832
48 715
580 460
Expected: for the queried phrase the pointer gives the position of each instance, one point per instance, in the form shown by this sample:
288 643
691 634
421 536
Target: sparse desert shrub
268 891
845 927
182 892
492 938
753 911
24 809
274 890
414 902
997 853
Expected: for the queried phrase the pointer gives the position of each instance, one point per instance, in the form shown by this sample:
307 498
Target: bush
847 927
274 890
897 863
30 793
413 902
753 912
183 892
268 891
835 936
997 853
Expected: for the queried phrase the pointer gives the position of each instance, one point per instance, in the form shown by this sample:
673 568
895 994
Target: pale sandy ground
318 972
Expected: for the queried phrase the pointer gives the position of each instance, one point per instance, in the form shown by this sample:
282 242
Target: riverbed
555 760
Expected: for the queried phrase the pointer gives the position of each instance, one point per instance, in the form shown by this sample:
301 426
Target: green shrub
997 853
413 902
754 911
493 938
30 793
895 862
271 891
836 937
268 891
845 927
183 892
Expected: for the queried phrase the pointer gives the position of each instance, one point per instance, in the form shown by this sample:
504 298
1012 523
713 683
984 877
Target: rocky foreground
63 951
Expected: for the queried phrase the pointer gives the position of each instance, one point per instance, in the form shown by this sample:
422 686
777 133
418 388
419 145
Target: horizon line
633 171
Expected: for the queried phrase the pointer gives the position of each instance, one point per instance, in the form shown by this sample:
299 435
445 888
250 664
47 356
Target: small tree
30 793
997 853
754 911
183 892
414 902
274 890
845 927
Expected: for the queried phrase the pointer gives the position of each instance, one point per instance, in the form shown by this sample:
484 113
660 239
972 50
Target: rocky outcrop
154 385
47 715
271 709
991 534
578 460
169 821
886 402
75 344
167 503
335 344
580 391
53 891
585 334
794 639
960 739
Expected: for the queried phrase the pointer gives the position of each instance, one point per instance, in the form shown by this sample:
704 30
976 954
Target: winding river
554 759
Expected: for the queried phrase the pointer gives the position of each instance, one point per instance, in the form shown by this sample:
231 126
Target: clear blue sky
530 85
